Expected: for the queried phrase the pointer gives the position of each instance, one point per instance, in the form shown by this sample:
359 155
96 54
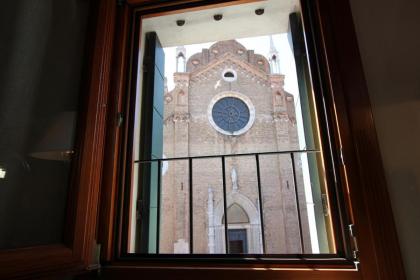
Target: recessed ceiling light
180 22
218 17
259 12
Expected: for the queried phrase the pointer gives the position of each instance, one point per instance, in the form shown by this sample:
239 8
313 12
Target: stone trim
253 228
228 57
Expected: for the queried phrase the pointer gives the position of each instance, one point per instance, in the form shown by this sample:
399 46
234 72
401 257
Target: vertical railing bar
190 168
257 160
159 162
225 204
297 203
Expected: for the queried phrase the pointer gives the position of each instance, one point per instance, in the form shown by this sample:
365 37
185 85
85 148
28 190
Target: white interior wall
238 21
389 42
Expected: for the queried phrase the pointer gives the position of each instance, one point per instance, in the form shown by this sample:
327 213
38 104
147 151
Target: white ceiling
238 21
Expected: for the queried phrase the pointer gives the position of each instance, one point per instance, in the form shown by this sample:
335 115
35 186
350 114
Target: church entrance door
237 241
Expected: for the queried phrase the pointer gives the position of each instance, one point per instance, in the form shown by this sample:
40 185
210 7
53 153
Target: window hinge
120 119
355 249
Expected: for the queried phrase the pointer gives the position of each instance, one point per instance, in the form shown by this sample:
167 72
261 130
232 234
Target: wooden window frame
343 256
338 60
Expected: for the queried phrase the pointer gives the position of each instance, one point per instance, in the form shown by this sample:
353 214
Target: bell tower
273 58
181 59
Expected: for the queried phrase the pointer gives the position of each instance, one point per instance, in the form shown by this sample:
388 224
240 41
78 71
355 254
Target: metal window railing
223 157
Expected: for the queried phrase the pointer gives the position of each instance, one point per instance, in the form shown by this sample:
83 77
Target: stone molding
231 59
253 228
178 117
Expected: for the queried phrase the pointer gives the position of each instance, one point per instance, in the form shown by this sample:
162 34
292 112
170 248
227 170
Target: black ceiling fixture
180 22
259 12
218 17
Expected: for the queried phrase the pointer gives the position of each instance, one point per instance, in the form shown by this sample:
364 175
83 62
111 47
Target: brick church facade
230 100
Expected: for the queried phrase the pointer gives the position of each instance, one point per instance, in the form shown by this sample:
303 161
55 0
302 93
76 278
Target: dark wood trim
35 261
117 119
92 155
203 273
203 6
371 209
156 4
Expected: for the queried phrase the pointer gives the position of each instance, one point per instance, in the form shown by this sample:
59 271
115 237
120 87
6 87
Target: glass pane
237 100
39 96
175 223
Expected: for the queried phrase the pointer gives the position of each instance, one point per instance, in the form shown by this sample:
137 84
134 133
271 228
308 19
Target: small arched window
229 75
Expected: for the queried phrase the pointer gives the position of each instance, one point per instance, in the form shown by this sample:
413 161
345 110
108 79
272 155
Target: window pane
238 103
42 55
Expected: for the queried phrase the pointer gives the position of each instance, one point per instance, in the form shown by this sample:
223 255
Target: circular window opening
229 75
231 113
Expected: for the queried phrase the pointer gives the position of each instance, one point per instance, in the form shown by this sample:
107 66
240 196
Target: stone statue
234 178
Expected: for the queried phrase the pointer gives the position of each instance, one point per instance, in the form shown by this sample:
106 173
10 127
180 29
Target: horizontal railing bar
227 155
321 258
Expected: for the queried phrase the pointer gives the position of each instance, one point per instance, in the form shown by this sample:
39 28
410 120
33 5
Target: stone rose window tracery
231 113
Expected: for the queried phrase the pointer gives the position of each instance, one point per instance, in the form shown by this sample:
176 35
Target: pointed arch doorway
238 229
244 232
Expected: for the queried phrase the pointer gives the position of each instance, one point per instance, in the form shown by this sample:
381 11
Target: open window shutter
151 140
297 43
